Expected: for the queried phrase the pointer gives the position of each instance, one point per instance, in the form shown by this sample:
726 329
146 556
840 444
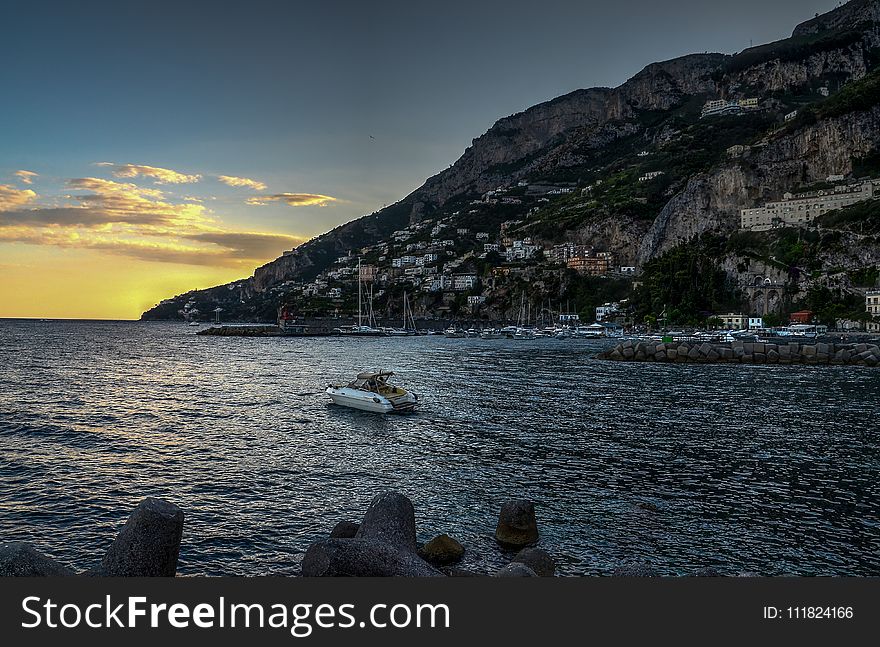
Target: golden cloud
231 180
26 177
160 175
12 198
127 220
293 199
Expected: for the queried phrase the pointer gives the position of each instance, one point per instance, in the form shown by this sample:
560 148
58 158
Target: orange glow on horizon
84 284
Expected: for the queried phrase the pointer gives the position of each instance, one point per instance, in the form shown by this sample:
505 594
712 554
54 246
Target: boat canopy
372 375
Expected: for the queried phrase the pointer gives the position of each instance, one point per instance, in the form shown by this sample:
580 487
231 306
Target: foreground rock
740 352
20 559
344 530
383 546
148 544
515 569
390 519
517 525
442 550
538 560
363 558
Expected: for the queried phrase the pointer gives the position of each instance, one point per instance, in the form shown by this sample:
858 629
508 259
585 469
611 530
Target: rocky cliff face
711 201
848 16
532 138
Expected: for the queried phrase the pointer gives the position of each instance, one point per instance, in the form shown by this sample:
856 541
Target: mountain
569 171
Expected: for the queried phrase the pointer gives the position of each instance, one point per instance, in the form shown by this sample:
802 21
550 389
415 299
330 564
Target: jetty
741 352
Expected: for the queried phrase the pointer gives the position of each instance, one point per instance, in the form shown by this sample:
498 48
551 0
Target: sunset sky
150 148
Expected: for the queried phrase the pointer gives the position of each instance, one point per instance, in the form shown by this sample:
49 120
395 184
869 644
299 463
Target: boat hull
372 402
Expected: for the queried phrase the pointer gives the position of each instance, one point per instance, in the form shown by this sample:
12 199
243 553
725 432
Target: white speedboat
370 391
454 333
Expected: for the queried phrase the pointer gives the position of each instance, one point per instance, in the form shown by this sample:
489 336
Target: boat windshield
374 382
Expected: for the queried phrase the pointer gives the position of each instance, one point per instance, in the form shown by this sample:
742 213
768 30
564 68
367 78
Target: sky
151 148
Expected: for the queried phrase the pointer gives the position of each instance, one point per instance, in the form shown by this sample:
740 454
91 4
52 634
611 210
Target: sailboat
409 323
361 329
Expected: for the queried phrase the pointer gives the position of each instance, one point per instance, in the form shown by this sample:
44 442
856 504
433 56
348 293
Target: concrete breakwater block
745 353
517 526
148 544
20 559
442 550
384 545
537 559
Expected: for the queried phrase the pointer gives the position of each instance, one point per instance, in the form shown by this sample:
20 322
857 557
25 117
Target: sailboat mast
359 294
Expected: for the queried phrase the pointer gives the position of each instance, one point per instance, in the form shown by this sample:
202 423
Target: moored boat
370 391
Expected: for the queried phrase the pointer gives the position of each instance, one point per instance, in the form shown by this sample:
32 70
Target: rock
635 569
709 571
705 349
773 355
517 526
344 530
20 559
540 561
363 558
808 351
457 571
390 519
442 550
694 353
672 354
748 574
628 353
148 544
660 356
515 569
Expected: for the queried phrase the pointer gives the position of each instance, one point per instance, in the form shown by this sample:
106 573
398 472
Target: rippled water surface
773 469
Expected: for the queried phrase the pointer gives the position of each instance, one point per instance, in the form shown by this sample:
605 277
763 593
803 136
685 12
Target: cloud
231 180
124 219
293 199
26 177
249 245
160 175
12 198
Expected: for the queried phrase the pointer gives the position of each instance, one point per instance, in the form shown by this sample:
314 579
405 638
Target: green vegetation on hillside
687 284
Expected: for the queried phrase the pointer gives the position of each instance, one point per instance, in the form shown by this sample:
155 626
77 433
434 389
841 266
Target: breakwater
740 352
266 330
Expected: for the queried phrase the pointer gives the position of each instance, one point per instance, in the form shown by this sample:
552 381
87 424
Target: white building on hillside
803 208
